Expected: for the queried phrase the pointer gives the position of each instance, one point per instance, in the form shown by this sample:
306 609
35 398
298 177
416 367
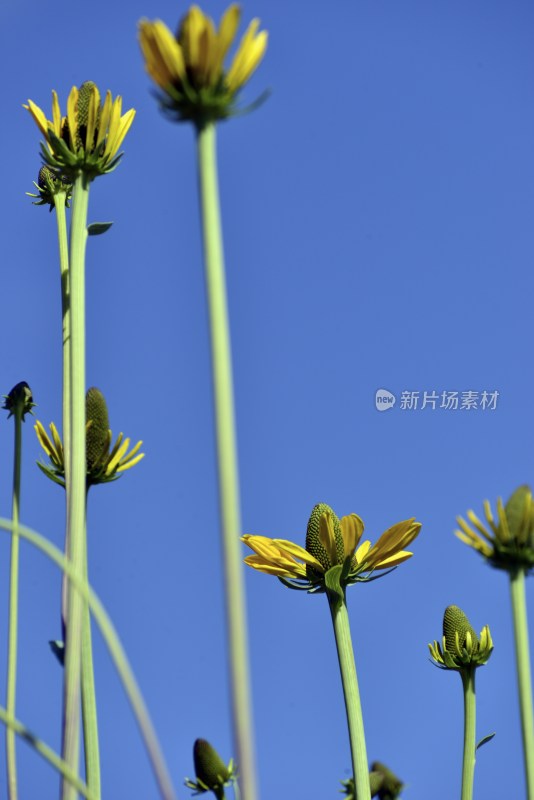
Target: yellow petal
56 115
256 562
125 123
105 117
191 30
72 116
38 116
114 462
503 531
164 59
362 551
249 54
226 35
395 539
299 552
392 561
352 530
327 537
129 462
474 520
475 542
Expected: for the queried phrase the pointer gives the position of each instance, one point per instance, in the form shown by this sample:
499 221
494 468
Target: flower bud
97 437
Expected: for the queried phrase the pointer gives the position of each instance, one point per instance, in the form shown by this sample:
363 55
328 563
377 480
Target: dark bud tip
19 400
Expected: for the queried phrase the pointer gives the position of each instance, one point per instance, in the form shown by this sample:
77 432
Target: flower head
384 784
460 647
212 773
88 138
19 401
49 184
103 464
189 68
508 541
331 543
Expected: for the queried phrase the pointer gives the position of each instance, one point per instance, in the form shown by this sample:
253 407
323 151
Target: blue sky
378 231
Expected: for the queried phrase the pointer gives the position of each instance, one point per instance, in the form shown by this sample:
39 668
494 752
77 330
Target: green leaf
96 228
333 584
485 740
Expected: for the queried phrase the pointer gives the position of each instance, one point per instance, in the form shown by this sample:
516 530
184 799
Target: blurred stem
524 680
227 458
16 727
351 692
75 482
468 768
12 790
89 713
117 653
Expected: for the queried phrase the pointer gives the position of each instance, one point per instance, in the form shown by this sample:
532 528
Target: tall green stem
116 651
61 219
351 692
227 459
468 768
524 679
89 714
16 727
75 482
13 608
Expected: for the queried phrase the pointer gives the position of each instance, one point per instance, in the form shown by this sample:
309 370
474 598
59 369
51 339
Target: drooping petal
395 538
256 562
299 552
361 552
474 520
39 117
352 529
327 538
392 561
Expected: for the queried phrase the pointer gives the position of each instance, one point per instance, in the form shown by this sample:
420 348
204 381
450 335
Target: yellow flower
331 542
88 138
103 465
508 541
460 647
189 67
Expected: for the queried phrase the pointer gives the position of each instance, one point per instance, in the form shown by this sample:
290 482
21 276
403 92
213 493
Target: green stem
117 653
89 714
227 459
75 482
16 727
524 680
351 692
468 768
61 219
12 790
